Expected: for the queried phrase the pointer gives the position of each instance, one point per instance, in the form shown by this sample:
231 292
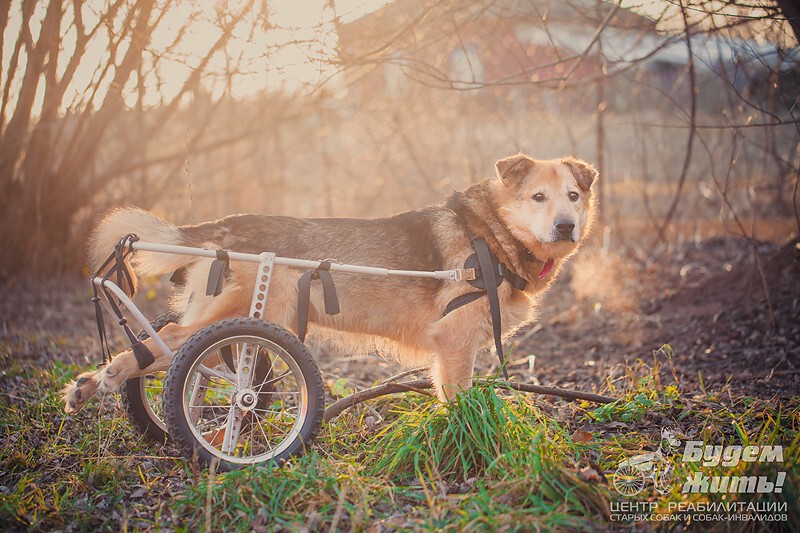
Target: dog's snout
564 230
565 227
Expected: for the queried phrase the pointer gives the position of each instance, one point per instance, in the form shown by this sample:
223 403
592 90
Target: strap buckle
465 274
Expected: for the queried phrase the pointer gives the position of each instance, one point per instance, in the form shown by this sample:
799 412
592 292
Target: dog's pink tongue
548 266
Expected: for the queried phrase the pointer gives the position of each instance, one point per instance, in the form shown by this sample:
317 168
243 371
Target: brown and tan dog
533 217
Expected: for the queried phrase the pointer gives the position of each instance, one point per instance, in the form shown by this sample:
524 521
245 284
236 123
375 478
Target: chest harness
489 274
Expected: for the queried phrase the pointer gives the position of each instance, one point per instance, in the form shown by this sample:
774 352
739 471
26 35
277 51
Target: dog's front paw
76 393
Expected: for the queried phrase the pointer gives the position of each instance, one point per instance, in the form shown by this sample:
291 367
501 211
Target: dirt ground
705 300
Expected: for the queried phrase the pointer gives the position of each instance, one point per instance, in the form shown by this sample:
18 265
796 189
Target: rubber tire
134 402
178 426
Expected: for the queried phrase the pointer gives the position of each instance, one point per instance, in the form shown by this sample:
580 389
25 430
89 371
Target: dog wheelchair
241 391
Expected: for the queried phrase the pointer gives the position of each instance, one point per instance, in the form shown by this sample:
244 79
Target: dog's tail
147 227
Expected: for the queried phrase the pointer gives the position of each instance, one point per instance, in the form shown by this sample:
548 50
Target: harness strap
487 271
105 351
227 356
144 357
304 295
518 282
462 300
490 273
121 251
217 272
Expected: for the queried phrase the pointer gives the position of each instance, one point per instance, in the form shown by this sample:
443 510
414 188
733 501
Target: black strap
105 351
485 259
464 299
227 356
304 295
518 282
217 272
144 357
122 250
489 274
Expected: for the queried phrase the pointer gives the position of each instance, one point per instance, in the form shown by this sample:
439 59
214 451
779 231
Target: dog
533 216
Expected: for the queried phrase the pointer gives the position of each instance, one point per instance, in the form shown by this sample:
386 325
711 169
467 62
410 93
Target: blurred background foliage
364 108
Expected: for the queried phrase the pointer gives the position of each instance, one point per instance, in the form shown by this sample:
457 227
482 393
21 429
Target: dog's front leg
456 343
124 367
451 373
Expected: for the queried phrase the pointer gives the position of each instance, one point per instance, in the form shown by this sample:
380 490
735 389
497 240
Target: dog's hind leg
124 366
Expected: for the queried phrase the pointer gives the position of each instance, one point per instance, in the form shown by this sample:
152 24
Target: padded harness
489 274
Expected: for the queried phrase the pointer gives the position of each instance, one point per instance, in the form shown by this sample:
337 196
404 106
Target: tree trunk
791 10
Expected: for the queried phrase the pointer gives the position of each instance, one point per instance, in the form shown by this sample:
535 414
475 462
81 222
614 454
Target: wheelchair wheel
628 480
243 391
141 397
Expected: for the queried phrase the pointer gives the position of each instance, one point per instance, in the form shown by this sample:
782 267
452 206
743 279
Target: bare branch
420 385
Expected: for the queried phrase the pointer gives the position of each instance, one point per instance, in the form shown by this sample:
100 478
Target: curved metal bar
140 318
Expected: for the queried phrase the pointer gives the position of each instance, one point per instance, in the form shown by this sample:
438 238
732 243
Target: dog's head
547 205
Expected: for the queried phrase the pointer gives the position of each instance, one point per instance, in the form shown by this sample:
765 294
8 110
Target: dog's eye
539 197
573 196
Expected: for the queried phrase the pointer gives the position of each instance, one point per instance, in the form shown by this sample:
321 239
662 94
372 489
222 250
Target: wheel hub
246 399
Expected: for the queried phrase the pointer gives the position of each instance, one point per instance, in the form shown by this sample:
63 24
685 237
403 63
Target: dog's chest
515 308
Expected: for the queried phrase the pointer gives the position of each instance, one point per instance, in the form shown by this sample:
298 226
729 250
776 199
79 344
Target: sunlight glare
291 51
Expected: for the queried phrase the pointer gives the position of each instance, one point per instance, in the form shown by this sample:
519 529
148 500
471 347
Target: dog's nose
564 230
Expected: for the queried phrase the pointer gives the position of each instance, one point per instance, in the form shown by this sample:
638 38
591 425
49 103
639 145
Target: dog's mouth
548 266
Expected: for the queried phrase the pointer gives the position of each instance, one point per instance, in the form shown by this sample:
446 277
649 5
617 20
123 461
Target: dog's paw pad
76 393
72 399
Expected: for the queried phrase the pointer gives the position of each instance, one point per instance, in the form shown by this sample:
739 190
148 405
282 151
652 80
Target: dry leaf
581 436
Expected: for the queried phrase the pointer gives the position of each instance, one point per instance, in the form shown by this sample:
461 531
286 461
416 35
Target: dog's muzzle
564 230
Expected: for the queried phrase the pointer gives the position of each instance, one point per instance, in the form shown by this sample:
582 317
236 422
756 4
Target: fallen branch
420 385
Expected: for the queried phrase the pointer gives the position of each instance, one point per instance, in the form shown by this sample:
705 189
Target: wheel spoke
216 373
266 439
273 381
278 413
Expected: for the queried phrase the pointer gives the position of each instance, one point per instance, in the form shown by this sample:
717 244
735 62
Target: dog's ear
584 173
512 169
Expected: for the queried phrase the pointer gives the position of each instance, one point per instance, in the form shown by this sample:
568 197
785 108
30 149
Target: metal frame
247 355
267 262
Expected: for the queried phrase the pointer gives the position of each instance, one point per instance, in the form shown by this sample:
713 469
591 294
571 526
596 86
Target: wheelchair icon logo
633 474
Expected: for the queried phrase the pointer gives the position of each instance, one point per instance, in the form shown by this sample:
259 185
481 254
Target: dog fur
534 213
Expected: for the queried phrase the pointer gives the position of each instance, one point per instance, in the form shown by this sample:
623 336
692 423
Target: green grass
493 459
